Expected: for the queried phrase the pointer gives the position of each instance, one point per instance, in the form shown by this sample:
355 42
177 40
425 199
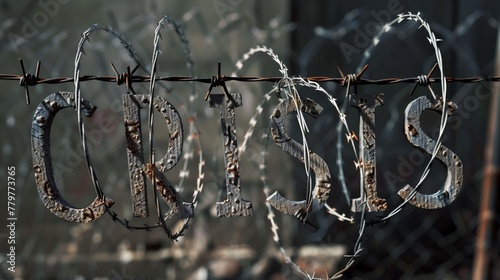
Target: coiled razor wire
422 80
288 86
191 112
81 124
193 131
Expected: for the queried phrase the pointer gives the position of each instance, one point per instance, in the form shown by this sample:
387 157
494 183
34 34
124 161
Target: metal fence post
481 268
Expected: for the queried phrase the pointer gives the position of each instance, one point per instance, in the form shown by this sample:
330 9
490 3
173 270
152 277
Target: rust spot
174 135
277 113
380 203
49 190
165 193
53 104
148 169
87 215
451 107
132 144
58 207
229 153
131 122
369 173
445 196
131 126
108 202
411 129
137 189
231 167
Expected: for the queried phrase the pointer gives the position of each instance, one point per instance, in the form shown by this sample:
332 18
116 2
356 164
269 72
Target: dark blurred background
312 39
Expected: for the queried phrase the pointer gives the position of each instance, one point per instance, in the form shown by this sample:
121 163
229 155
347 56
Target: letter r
139 170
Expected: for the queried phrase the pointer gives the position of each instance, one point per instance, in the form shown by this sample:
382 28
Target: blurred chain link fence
312 39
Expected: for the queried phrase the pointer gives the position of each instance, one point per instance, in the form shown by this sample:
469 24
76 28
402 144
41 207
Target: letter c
44 176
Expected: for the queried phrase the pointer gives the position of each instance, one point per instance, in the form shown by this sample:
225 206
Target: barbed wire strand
152 161
351 137
278 88
191 111
340 159
207 80
270 216
129 47
287 85
259 109
76 80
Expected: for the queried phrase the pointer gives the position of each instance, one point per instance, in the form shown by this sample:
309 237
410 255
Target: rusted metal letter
234 205
367 103
321 189
416 136
42 164
138 169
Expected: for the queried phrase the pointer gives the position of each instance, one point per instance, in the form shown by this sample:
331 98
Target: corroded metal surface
234 205
321 189
416 136
138 169
42 165
135 156
367 103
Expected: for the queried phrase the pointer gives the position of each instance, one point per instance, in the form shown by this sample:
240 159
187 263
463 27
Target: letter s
416 136
321 191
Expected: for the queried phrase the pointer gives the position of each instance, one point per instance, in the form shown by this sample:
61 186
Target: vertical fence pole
482 262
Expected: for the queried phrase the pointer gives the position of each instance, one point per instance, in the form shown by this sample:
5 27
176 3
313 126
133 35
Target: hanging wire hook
28 79
219 80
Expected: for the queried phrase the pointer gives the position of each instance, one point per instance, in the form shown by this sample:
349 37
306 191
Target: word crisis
234 205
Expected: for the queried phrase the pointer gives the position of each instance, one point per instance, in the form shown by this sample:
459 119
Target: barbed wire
27 80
